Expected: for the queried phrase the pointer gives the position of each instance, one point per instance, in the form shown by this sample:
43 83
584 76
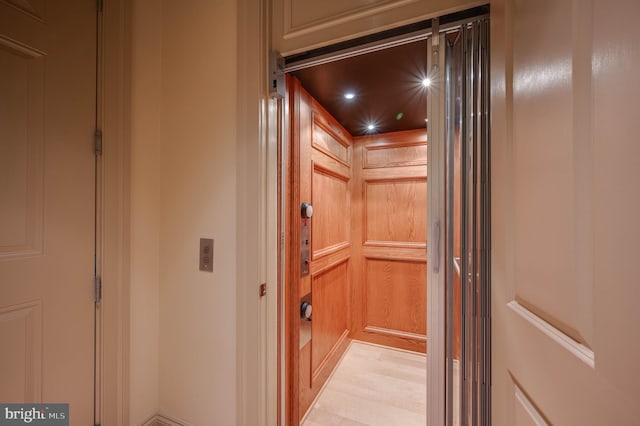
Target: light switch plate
206 254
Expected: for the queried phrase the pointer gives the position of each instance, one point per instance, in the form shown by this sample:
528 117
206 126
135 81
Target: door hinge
98 142
99 5
263 289
97 284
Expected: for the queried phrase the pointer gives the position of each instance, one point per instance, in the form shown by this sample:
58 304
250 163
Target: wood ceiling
387 85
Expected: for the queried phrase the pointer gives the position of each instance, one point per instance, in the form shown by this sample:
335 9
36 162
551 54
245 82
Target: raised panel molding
579 350
32 8
330 250
398 155
335 350
394 298
390 233
329 260
556 279
395 333
301 25
416 254
21 149
395 212
329 325
330 229
327 142
392 244
21 354
306 17
525 411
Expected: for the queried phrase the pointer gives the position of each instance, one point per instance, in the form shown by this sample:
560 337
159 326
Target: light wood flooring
373 385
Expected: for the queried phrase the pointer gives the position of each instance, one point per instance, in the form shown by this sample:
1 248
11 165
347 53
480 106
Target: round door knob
305 310
306 210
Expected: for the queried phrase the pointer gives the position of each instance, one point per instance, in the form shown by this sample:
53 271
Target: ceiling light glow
371 127
349 95
426 82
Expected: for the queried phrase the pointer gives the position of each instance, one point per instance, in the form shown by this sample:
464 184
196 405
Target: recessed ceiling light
349 95
426 82
371 127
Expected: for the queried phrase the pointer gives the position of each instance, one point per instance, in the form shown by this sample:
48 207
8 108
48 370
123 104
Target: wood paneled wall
389 221
368 238
322 156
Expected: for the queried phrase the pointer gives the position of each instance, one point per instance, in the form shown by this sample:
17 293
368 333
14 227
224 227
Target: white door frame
114 343
256 165
436 213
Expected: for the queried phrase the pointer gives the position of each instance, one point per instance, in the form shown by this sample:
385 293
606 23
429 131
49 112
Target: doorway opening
376 158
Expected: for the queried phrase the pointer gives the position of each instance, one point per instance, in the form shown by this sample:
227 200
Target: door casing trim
115 113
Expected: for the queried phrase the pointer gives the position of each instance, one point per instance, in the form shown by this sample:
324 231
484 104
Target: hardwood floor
373 385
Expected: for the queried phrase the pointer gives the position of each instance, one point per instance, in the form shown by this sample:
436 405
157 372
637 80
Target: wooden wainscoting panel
396 295
322 118
329 331
395 211
321 174
323 161
330 260
398 149
408 155
389 226
409 253
329 290
306 390
391 173
310 386
326 141
330 228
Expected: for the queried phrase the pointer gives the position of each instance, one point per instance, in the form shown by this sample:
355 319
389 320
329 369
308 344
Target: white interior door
47 122
565 174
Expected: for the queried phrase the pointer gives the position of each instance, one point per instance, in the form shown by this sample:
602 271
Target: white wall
183 187
198 185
